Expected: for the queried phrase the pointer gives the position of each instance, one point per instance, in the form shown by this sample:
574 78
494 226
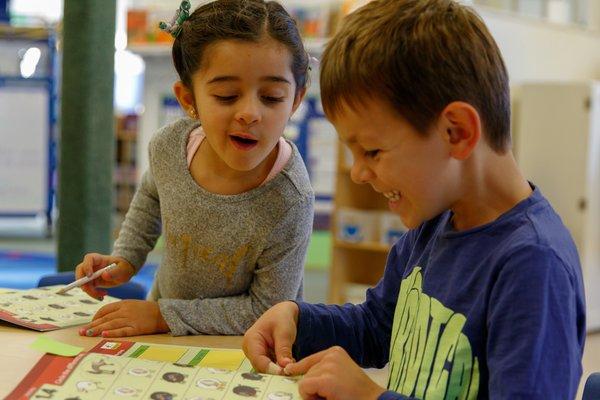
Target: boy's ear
461 128
186 100
298 99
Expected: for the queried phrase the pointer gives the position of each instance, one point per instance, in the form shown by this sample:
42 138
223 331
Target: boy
483 297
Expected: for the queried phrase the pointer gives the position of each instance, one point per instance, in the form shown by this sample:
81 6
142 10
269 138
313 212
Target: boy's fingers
284 340
302 366
256 349
311 388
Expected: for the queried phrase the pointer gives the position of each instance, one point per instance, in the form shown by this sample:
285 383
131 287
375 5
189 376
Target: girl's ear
185 97
298 99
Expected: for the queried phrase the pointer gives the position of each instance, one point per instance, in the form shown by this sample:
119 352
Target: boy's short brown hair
420 55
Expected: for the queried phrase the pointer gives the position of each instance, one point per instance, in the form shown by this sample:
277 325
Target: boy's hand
117 276
271 338
126 318
331 374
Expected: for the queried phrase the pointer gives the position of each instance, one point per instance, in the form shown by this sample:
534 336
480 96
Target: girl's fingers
108 325
106 310
120 332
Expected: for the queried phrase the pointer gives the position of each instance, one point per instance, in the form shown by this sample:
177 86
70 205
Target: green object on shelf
318 256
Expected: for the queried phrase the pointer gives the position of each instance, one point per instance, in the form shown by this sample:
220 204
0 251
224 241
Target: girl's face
244 94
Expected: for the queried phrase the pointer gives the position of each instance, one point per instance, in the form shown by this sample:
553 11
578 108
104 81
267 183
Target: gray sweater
227 258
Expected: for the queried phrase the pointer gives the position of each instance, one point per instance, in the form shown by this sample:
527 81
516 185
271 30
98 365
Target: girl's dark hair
246 20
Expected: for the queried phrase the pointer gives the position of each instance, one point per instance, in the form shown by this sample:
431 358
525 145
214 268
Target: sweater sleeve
536 328
142 226
277 277
363 330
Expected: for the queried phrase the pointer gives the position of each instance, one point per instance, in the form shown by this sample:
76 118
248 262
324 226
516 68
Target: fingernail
82 331
274 369
103 334
286 360
89 332
286 370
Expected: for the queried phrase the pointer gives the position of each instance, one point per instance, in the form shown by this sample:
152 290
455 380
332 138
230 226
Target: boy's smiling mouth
394 195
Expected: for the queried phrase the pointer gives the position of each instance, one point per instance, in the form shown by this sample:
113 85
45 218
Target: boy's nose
360 173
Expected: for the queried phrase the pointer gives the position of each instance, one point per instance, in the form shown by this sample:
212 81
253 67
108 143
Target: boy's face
414 171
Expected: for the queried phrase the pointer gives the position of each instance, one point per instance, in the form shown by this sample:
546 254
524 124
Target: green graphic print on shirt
430 357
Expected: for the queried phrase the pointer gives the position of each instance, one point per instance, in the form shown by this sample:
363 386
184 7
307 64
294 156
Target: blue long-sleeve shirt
493 312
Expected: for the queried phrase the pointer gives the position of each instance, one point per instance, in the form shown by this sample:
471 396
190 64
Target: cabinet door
24 137
553 144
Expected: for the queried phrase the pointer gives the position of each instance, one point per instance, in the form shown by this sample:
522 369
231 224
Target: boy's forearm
323 326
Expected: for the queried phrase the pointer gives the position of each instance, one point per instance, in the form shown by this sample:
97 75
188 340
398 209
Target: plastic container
391 228
357 226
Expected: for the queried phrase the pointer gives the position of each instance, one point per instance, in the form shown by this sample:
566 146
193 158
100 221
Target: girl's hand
331 374
117 276
126 318
271 338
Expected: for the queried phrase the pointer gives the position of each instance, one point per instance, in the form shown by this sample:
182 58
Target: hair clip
174 27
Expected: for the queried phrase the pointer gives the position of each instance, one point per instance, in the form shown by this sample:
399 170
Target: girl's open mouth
243 143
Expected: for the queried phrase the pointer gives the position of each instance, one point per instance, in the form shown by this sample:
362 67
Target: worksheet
230 359
42 309
104 376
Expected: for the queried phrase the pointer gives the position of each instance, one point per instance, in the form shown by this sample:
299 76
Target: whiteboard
24 130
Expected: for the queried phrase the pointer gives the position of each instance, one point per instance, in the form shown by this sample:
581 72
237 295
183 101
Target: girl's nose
248 113
360 173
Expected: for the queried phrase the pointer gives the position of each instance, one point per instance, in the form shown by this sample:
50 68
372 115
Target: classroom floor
315 290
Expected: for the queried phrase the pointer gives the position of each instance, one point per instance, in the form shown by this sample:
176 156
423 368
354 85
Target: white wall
535 50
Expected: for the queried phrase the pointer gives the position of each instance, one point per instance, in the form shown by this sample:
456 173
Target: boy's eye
271 99
225 99
371 153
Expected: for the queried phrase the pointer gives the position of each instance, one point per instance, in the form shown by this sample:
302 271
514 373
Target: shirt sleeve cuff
303 342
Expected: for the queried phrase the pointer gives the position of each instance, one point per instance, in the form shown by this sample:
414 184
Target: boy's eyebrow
230 78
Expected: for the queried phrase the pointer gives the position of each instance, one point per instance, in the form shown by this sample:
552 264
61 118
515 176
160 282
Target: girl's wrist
161 324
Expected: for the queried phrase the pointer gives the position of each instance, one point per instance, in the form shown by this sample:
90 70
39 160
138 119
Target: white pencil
82 281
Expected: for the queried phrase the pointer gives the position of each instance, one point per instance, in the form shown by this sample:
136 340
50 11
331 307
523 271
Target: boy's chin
409 221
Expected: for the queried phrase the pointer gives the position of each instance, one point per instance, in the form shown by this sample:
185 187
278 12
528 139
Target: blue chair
591 390
128 290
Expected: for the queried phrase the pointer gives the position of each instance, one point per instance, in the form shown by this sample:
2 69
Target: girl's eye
225 99
371 153
271 99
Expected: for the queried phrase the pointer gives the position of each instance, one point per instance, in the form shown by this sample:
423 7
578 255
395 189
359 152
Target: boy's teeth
394 195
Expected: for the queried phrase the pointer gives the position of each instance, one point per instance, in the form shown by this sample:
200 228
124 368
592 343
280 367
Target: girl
233 197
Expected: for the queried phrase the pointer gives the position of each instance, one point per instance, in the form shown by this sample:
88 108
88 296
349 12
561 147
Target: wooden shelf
366 246
354 263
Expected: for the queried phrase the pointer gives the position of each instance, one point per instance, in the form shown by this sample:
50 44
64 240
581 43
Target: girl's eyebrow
230 78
